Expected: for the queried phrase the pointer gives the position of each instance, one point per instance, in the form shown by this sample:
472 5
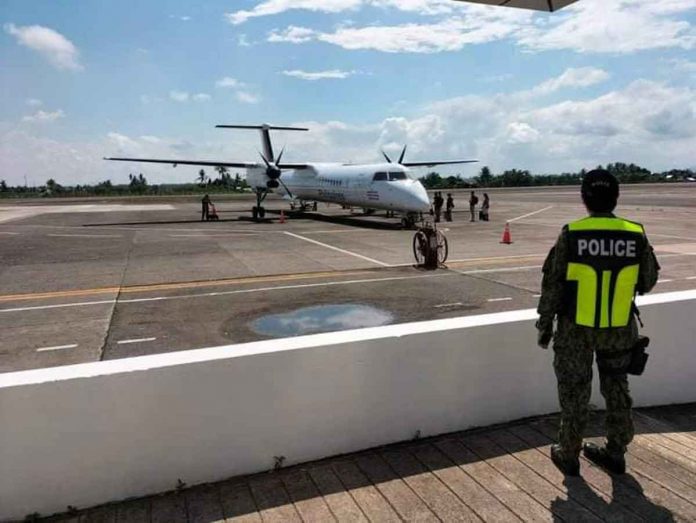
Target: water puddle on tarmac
322 318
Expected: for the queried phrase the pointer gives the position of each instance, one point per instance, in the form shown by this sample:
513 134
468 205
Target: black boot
569 465
605 457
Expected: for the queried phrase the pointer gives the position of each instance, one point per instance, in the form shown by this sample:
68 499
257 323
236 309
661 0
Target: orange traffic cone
507 237
282 216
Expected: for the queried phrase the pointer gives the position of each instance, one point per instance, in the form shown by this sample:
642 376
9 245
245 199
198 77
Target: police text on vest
607 247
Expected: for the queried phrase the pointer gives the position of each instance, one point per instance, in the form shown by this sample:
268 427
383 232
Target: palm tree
202 177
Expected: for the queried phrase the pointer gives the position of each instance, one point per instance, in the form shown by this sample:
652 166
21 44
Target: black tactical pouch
639 358
614 364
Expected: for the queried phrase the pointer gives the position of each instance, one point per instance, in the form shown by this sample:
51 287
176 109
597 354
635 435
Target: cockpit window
397 175
380 177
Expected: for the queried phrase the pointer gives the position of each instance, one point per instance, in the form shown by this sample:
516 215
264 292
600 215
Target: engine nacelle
256 177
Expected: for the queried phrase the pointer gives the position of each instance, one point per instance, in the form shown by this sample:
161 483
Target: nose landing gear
409 220
430 247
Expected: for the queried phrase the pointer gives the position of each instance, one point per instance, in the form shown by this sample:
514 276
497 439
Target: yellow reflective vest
604 256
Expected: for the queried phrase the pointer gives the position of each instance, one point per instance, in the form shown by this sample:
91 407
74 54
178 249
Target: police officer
590 278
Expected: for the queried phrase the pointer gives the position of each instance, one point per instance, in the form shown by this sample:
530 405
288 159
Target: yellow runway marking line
175 286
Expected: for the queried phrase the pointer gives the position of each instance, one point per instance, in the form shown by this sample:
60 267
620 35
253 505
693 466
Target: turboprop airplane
389 185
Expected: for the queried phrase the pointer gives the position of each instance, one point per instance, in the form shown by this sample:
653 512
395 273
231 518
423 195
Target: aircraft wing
244 165
174 163
293 166
538 5
432 164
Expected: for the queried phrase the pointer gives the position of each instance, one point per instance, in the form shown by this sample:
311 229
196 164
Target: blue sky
600 81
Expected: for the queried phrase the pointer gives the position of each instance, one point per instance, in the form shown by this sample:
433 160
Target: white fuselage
386 186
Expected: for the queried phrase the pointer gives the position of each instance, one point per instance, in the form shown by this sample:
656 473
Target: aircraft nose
418 200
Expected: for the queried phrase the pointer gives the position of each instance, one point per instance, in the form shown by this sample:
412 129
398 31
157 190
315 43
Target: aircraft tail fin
265 135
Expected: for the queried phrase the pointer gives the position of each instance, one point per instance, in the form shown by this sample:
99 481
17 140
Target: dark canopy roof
539 5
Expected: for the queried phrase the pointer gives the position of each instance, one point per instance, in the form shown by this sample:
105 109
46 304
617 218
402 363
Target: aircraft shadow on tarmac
163 222
351 221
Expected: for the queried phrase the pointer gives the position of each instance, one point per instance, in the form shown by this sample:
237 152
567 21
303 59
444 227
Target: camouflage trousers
573 366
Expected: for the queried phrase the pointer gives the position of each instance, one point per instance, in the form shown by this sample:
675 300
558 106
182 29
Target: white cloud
685 69
122 142
450 34
331 74
243 41
228 82
590 26
52 45
520 132
240 93
294 35
150 139
274 7
646 122
43 116
33 102
620 26
247 98
179 96
573 77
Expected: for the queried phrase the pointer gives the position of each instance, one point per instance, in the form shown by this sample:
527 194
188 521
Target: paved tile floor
501 473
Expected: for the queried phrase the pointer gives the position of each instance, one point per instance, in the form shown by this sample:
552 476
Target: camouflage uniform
574 346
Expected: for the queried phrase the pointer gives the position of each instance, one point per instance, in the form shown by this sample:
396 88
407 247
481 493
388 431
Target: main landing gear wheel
258 212
408 222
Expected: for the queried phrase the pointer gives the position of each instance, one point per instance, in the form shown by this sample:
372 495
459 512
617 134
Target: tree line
224 182
626 173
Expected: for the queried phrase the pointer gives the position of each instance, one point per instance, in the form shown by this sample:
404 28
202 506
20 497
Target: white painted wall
88 434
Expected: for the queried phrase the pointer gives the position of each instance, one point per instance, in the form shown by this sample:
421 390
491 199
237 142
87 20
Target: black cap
600 190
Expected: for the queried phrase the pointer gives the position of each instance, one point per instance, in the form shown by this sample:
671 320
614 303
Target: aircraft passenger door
377 192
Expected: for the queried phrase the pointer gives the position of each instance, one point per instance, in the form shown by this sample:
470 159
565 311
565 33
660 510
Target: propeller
401 157
273 172
286 188
403 153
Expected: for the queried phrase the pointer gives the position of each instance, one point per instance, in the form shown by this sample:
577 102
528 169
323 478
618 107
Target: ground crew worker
449 206
204 207
473 201
438 202
485 207
590 279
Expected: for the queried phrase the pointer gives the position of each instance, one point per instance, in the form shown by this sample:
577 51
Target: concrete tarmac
86 280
